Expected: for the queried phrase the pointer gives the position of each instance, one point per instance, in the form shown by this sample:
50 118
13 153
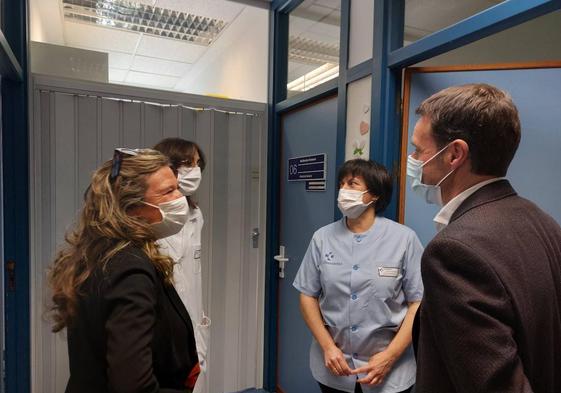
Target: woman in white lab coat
184 248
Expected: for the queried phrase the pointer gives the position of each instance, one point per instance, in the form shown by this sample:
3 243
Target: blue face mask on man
431 193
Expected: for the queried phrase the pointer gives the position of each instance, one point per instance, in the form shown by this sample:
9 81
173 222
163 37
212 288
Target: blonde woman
128 330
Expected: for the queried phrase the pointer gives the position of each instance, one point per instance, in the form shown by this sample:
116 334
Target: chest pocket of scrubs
197 259
331 302
386 280
329 270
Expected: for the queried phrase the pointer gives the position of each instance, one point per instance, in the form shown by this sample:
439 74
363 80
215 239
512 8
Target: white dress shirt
443 217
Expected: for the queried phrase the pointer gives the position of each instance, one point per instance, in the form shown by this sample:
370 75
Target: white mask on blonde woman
174 216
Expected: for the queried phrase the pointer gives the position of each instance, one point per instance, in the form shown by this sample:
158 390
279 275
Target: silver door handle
281 259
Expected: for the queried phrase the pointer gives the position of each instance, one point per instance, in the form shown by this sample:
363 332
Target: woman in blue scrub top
360 286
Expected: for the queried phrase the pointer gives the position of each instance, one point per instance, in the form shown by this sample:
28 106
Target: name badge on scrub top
388 271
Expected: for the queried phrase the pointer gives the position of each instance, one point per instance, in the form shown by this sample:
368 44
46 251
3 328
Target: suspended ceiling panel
147 41
169 49
423 17
146 79
159 66
120 60
146 19
314 28
92 37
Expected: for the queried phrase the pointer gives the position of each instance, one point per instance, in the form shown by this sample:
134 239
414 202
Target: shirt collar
443 217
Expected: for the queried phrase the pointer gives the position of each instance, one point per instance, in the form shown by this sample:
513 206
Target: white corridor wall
75 127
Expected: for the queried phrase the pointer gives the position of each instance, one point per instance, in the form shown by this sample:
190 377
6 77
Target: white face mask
189 179
350 202
174 216
431 193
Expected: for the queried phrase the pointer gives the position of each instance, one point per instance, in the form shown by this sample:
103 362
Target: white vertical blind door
73 134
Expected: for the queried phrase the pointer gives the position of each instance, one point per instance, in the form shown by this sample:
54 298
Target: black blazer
131 333
490 320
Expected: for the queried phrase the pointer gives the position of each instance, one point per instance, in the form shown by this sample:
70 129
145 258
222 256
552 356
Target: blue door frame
15 195
389 59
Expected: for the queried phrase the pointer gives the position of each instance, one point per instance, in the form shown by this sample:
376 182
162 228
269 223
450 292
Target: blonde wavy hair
103 229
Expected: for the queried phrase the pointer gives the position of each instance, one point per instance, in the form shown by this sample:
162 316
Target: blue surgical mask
431 193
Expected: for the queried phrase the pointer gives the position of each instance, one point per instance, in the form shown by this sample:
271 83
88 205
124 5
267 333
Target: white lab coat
185 250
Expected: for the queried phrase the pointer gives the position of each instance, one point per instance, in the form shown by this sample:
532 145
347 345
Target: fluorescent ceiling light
314 78
141 18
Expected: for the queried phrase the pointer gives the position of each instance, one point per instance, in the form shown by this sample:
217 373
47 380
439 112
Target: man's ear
458 152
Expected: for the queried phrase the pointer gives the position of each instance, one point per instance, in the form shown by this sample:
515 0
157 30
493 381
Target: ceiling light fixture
141 18
314 78
308 51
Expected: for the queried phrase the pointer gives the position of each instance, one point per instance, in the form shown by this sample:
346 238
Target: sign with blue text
307 168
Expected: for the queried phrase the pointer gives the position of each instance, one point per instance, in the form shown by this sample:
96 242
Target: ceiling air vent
141 18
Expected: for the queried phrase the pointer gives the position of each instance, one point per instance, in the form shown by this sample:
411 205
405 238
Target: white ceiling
140 59
423 17
135 58
319 20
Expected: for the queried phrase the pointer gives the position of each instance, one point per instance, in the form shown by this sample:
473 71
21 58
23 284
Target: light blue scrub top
363 283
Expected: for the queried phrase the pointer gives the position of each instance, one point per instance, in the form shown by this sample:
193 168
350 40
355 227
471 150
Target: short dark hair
376 177
481 115
179 150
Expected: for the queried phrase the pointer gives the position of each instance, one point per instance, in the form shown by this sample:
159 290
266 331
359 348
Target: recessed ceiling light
141 18
307 51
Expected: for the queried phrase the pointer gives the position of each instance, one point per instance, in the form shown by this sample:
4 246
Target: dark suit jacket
132 333
490 320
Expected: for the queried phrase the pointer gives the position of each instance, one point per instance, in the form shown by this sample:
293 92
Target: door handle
255 237
281 259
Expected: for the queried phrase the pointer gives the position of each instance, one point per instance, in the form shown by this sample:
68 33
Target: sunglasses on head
118 155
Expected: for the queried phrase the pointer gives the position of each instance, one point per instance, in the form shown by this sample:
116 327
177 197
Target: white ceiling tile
296 70
165 48
120 60
298 25
219 9
325 29
116 75
153 80
159 66
335 4
320 37
103 38
320 11
432 15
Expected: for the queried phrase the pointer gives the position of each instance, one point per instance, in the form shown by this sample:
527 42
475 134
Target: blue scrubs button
353 328
354 296
355 267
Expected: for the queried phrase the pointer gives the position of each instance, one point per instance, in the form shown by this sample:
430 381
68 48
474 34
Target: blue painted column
386 87
15 177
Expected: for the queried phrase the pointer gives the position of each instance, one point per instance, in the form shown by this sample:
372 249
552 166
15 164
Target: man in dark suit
490 320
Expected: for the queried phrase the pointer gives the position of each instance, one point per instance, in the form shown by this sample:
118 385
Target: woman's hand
377 368
335 361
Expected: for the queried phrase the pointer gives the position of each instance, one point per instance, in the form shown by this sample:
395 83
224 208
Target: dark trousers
358 389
